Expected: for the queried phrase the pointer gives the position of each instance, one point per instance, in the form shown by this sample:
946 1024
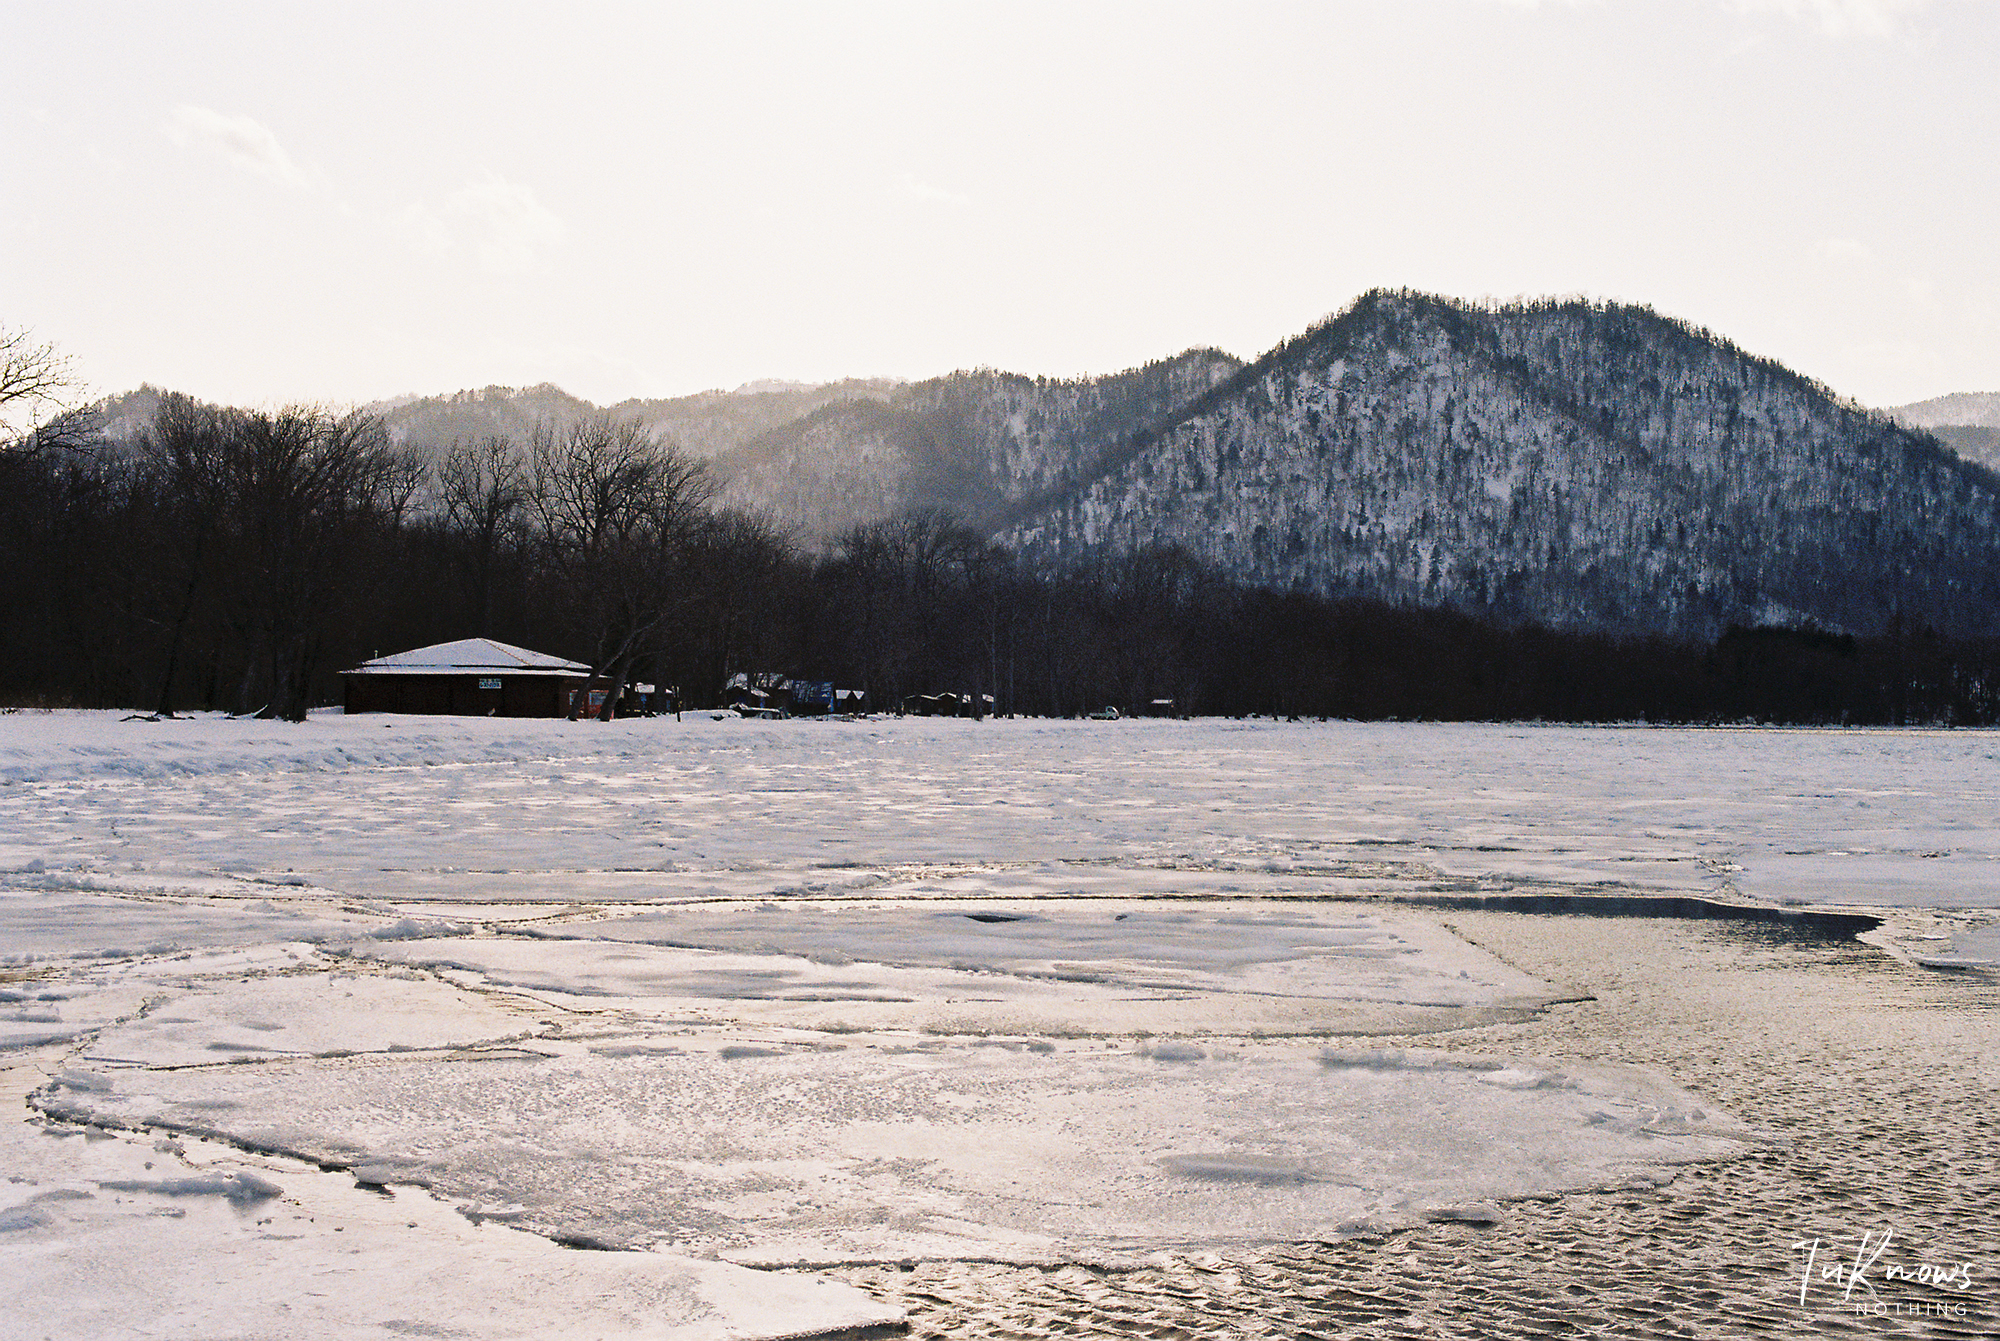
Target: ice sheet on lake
492 809
805 1082
1975 949
815 991
1041 966
326 1014
189 1239
39 922
871 1148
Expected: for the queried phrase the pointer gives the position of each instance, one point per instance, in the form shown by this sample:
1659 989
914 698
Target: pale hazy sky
265 202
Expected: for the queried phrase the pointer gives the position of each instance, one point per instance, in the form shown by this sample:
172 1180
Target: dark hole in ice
997 917
588 1243
1804 924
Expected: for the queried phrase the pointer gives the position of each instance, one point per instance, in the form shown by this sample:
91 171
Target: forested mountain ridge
1581 465
975 444
1585 466
1968 422
702 425
1978 443
1557 511
1961 407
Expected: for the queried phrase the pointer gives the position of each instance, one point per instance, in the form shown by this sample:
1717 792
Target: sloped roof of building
470 656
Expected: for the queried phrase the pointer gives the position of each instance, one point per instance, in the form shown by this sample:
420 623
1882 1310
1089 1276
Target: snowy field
342 1029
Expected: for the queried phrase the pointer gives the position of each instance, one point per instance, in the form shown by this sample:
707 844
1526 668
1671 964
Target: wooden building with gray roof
473 677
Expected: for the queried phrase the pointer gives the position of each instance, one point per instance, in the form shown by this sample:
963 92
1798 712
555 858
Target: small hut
473 677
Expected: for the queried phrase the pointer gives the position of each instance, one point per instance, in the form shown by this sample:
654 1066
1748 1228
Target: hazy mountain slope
123 417
702 424
1981 408
1974 442
818 475
1968 422
974 443
712 422
1576 464
502 411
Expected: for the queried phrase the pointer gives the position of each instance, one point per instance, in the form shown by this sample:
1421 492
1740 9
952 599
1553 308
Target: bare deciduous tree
38 389
34 379
902 572
301 486
404 475
184 462
615 511
482 489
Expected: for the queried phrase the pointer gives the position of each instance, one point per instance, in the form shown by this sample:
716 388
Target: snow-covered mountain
1578 464
973 443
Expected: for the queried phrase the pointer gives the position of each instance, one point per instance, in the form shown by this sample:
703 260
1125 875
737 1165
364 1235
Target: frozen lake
471 809
816 994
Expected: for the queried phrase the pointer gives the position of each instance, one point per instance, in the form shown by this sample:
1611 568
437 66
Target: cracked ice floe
1978 948
1037 967
192 1239
47 922
756 1101
899 1147
326 1013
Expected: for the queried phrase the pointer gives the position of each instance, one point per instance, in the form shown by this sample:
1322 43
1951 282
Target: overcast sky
260 202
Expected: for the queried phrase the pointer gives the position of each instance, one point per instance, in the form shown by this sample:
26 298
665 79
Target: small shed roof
470 656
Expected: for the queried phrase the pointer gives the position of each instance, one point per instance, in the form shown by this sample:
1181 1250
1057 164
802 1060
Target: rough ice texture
817 1150
196 1240
476 809
812 992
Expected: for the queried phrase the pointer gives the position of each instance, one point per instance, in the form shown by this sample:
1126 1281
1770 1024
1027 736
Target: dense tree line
238 560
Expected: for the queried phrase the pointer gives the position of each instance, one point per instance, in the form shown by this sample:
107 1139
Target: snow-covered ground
810 992
470 809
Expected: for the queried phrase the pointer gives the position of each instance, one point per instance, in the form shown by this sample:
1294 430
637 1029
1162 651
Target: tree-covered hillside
971 443
1576 464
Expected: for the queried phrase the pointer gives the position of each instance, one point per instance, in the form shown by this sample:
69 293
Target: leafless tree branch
36 385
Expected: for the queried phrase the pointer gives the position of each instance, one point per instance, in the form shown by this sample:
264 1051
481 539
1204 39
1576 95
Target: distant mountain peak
1973 408
1569 462
771 384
